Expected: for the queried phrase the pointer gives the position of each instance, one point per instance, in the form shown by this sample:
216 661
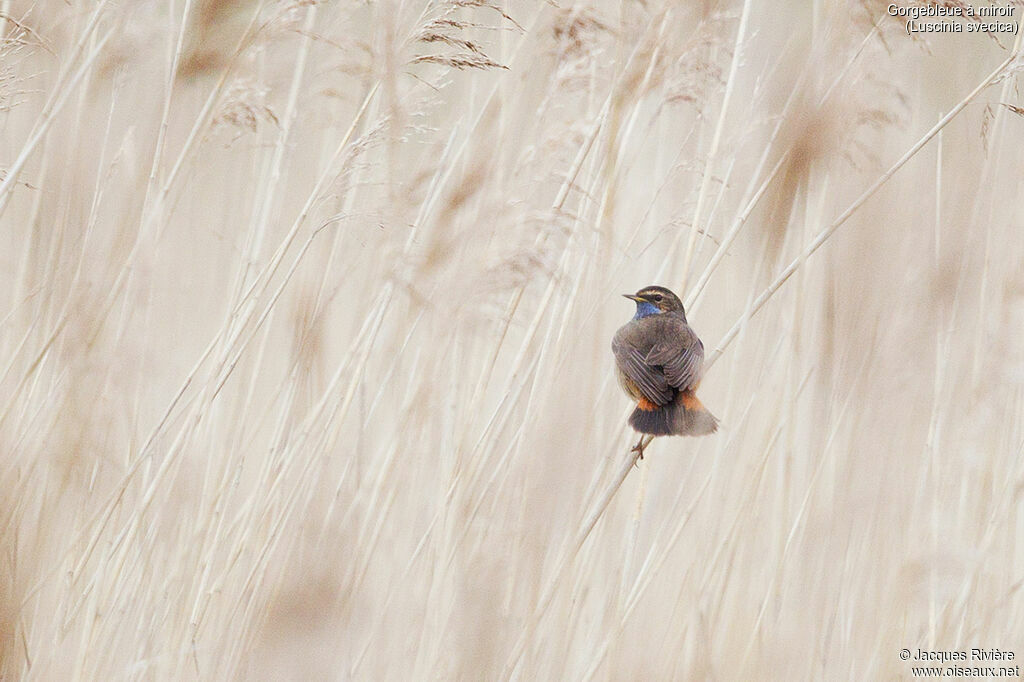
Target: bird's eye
657 297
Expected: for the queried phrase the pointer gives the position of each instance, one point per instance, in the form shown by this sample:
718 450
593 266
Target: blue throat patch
645 309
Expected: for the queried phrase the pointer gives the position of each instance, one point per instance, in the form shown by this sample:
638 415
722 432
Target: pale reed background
305 313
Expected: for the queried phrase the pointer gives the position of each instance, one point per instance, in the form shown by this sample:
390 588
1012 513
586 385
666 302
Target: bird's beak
632 297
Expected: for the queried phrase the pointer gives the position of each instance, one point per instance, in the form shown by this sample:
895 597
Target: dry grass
305 312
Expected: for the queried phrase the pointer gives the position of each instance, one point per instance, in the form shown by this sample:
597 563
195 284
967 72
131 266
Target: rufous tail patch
646 405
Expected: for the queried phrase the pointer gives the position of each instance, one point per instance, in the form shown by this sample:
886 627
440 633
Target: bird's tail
684 416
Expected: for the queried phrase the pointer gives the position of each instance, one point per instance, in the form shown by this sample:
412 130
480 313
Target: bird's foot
639 447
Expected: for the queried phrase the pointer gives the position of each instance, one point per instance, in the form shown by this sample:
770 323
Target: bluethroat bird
659 360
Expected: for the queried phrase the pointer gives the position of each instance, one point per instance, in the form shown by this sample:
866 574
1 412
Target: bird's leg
639 447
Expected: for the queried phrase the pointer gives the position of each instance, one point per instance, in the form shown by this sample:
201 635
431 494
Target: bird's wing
679 355
650 380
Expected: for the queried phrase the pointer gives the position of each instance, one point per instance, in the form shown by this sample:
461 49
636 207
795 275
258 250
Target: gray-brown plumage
659 360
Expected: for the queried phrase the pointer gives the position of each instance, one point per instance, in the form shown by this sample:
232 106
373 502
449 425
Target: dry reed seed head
459 61
1015 67
1014 108
285 18
15 45
21 31
578 30
488 5
582 41
695 74
987 116
355 60
444 30
243 107
354 159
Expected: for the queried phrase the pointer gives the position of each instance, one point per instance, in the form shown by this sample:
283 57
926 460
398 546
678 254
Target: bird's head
655 301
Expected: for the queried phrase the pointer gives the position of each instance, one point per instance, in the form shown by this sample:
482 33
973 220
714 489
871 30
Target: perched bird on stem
659 360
